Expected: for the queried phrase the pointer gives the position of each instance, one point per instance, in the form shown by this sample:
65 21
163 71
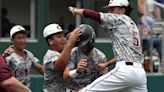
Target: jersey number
135 38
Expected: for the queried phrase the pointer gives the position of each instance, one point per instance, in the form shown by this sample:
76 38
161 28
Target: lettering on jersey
135 35
89 71
135 38
21 72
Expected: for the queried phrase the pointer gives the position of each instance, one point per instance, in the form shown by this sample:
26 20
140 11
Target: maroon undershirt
92 14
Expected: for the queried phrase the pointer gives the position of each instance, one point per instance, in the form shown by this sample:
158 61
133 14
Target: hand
75 10
8 52
71 9
81 66
101 66
74 35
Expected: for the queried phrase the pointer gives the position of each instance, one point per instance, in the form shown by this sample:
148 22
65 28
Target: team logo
58 27
20 28
110 1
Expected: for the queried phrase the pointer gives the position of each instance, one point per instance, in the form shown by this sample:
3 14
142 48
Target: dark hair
49 37
128 10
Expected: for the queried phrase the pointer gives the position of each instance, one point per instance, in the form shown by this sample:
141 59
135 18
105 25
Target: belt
129 63
123 63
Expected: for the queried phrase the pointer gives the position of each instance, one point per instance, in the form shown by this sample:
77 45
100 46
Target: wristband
73 73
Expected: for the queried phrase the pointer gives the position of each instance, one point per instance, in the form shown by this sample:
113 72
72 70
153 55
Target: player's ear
50 41
12 40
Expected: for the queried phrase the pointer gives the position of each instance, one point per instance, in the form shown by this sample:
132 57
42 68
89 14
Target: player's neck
20 52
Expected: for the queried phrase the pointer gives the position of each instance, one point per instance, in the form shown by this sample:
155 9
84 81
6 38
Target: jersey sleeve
108 20
49 62
73 59
4 71
35 61
8 60
100 57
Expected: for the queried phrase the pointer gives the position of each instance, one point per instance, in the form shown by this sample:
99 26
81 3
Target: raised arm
86 13
63 59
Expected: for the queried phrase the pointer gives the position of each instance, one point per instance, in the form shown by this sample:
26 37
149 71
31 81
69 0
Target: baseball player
20 61
7 82
57 56
128 74
82 69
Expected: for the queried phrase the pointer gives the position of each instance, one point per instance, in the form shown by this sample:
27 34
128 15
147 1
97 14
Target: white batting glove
71 9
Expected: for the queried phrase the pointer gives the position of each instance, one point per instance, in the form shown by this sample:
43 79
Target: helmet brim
82 44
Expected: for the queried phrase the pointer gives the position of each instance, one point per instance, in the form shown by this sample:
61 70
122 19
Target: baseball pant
124 78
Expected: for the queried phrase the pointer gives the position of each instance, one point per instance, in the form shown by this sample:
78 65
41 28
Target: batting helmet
113 3
51 29
87 35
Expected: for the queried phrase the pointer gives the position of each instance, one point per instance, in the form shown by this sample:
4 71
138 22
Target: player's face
87 48
58 42
19 41
116 10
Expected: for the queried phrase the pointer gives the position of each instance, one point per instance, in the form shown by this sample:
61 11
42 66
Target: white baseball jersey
125 37
91 73
53 80
20 67
127 48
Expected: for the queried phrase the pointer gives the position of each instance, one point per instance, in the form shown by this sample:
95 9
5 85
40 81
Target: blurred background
34 15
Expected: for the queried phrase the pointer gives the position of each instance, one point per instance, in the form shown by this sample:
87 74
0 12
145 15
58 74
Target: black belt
129 63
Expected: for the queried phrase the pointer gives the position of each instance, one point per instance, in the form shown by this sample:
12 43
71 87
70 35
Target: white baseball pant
124 78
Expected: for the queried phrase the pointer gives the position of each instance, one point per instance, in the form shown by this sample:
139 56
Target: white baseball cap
113 3
16 29
51 29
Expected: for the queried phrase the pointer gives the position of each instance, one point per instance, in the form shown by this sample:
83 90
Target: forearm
66 74
40 68
63 59
87 13
14 85
111 62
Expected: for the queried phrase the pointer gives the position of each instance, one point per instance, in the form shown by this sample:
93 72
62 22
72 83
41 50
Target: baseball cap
16 29
113 3
51 29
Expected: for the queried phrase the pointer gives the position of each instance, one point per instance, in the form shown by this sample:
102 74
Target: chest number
135 39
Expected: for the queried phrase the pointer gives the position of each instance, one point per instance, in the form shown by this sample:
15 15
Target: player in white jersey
84 58
57 56
20 60
128 74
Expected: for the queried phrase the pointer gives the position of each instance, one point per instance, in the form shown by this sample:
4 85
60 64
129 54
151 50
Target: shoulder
52 53
50 56
29 53
74 50
4 71
1 58
99 52
2 62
